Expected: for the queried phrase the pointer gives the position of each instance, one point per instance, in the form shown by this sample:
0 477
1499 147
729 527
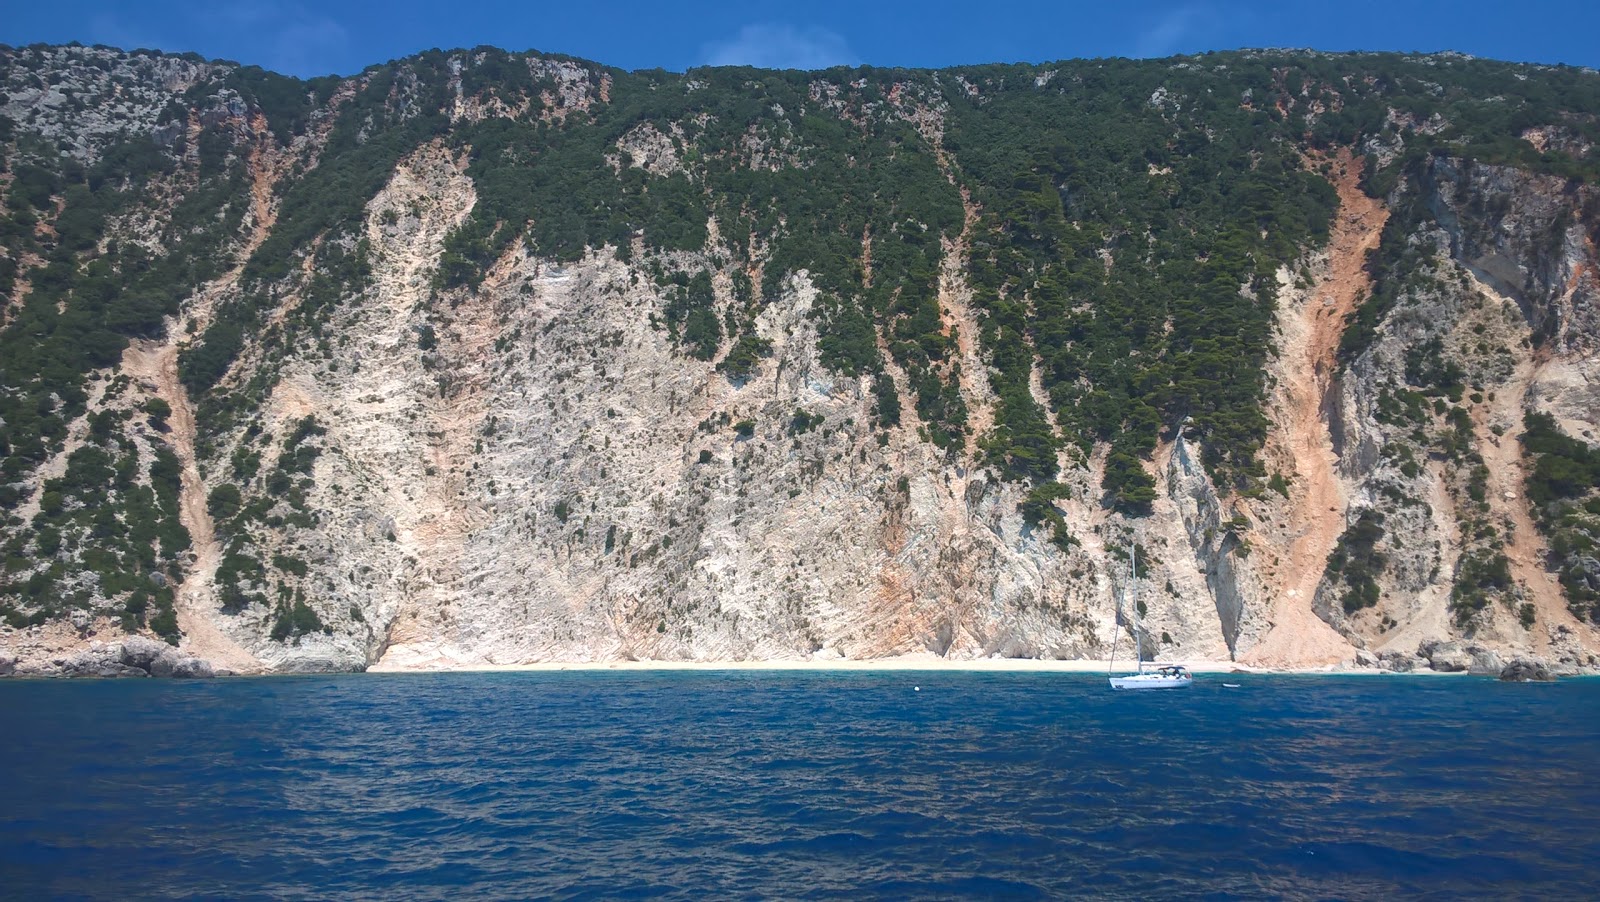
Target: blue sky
343 36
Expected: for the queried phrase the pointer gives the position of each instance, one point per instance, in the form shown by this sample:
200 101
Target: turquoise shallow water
798 785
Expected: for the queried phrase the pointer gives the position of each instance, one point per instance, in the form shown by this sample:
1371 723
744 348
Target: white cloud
1175 30
781 47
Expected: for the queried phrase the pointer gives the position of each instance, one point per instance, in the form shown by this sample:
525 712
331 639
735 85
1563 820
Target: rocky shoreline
135 656
138 656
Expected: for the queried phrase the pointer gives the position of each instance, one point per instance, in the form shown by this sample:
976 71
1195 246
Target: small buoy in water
916 688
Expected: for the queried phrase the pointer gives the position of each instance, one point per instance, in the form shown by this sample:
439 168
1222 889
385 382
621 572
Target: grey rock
1397 662
1447 657
140 652
142 83
1526 670
193 669
90 664
8 664
1586 572
164 664
1484 661
92 661
167 135
177 665
1366 658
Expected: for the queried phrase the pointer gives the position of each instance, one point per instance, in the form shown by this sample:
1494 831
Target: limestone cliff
387 423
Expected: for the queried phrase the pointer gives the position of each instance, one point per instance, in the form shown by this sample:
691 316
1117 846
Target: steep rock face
420 415
1230 582
1495 319
1527 236
552 481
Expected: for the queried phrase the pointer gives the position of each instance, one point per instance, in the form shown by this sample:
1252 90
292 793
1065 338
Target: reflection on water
599 785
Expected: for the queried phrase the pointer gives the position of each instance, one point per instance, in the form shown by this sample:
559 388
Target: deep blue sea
603 785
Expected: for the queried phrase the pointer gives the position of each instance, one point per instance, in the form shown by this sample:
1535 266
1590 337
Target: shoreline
1210 669
902 663
149 658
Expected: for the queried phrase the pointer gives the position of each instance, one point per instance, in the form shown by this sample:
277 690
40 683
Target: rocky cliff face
400 469
1495 320
553 480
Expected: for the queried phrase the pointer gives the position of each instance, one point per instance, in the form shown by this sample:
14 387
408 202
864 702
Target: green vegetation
1120 225
1480 577
296 619
1356 562
804 422
257 503
1564 487
1564 468
1133 216
104 540
692 316
743 357
1039 510
1131 248
85 302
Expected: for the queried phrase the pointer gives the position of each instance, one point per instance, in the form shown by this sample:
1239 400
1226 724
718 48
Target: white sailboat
1170 676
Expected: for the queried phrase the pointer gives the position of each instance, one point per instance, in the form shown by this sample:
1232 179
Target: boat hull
1151 681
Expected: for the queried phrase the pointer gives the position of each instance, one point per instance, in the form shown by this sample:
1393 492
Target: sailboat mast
1138 647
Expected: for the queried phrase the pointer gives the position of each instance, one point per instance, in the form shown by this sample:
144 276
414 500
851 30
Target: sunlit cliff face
485 359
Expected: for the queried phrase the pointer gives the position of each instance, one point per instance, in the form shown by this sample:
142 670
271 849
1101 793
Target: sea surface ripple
771 784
